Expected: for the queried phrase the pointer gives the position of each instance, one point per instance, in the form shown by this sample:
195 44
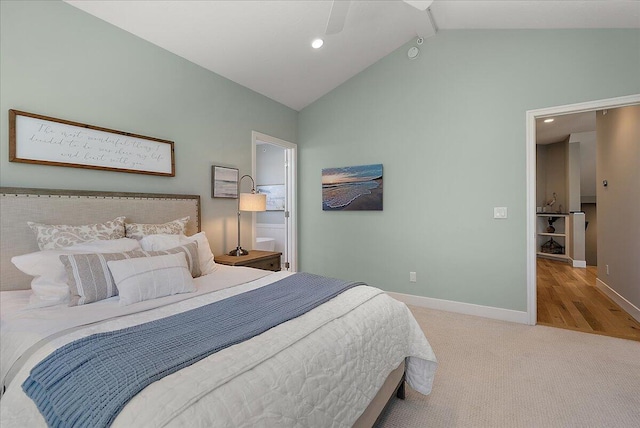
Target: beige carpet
499 374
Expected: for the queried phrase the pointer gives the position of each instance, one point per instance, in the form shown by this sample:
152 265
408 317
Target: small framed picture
224 182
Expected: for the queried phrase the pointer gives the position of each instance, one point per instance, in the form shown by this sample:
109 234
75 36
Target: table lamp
252 202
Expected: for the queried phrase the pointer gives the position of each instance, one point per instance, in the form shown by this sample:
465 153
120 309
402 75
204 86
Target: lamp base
238 252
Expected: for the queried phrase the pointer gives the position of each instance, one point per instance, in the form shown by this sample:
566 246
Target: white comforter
319 370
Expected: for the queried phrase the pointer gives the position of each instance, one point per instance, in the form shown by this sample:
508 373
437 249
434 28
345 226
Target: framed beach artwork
275 196
352 188
224 182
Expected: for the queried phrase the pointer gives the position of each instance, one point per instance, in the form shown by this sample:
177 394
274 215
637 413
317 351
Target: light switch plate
499 212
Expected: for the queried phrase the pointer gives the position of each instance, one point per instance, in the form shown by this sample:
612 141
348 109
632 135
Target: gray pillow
90 279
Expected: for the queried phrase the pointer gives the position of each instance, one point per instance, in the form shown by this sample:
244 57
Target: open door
274 167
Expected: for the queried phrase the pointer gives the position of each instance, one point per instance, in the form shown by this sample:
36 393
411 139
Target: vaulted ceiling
265 45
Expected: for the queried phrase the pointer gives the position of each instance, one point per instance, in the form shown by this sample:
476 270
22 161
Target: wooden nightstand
265 260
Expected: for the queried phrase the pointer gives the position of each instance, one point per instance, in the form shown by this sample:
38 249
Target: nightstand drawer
267 264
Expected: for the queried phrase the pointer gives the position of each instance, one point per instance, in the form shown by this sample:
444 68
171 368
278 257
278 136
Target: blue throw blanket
88 382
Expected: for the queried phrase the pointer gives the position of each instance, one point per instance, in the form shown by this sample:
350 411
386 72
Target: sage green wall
59 61
449 128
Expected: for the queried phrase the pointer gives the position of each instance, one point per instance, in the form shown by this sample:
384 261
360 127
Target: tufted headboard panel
19 205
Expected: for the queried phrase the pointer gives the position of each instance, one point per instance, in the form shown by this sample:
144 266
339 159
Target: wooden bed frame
19 205
394 385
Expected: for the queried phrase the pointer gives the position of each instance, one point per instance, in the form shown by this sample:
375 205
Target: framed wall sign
44 140
224 182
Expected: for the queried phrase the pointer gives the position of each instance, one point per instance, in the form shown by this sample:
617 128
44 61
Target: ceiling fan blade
419 4
338 16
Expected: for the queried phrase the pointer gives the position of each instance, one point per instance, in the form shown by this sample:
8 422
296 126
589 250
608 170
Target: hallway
568 298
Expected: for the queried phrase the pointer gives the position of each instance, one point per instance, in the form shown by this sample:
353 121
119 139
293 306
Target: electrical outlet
412 277
607 266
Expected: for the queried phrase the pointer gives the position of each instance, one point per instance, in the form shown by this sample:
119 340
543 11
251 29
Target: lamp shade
253 202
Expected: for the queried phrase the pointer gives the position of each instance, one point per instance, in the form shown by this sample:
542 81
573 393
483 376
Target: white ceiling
265 45
564 125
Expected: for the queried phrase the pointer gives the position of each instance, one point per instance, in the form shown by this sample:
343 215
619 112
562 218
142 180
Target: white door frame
292 150
532 115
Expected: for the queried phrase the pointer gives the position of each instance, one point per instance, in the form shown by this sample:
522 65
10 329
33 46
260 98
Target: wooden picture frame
224 182
44 140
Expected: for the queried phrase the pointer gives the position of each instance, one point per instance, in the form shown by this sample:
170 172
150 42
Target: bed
336 365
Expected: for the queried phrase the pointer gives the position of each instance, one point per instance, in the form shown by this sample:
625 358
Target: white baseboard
462 308
578 263
629 307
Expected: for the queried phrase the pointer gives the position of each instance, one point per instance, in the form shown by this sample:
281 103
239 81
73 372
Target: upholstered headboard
19 205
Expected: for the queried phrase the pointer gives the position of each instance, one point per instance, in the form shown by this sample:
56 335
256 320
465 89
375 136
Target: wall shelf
560 235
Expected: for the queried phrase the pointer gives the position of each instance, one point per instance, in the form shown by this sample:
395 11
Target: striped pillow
90 279
147 278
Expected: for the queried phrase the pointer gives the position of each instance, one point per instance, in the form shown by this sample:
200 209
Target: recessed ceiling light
548 120
317 43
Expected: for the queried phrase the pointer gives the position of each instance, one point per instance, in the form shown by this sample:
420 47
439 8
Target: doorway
568 295
274 167
532 235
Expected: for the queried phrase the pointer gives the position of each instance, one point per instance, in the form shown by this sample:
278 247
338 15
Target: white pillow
164 242
147 278
50 285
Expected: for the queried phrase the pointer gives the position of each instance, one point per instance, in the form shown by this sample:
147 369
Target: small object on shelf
550 228
552 247
550 203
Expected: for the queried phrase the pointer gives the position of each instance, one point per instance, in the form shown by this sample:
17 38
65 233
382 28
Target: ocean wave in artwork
341 195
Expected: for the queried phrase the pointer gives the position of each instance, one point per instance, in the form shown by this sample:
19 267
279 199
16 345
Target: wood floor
568 298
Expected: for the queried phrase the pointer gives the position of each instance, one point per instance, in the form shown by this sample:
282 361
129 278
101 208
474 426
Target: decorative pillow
148 278
140 230
90 279
163 242
50 285
52 236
